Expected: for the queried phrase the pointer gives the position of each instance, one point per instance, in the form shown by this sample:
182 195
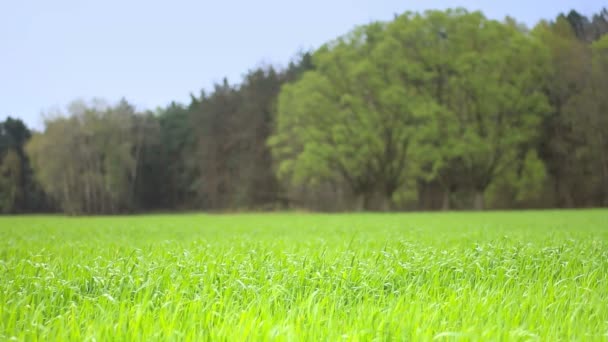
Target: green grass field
456 276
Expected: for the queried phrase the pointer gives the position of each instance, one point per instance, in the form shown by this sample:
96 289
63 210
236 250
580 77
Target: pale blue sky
153 52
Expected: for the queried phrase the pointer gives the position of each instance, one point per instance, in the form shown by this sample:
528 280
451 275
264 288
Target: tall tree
19 192
569 71
586 29
214 118
483 78
259 186
452 90
497 104
89 161
11 188
347 122
170 166
591 125
233 167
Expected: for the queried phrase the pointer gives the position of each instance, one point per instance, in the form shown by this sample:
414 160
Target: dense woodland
440 110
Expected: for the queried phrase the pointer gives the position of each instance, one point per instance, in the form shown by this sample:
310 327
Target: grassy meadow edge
416 276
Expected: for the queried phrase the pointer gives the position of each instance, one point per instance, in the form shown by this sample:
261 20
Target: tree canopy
435 110
434 96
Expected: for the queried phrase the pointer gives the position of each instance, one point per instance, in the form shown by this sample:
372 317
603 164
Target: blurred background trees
19 192
90 160
440 110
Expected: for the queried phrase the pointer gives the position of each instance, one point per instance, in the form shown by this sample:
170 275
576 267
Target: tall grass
459 276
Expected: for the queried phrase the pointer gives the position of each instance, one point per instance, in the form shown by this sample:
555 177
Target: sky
154 52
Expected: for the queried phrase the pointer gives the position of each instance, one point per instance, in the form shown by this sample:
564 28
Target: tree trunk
568 201
479 200
386 204
446 201
604 190
364 202
421 193
360 202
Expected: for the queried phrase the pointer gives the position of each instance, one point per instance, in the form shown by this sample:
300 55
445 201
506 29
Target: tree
591 125
585 29
483 77
565 80
228 128
498 104
89 161
259 186
214 119
442 109
19 192
10 181
168 164
451 92
348 122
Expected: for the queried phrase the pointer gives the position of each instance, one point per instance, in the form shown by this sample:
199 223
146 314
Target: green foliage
530 180
486 276
232 166
433 110
573 143
350 121
10 180
89 161
441 94
19 192
171 163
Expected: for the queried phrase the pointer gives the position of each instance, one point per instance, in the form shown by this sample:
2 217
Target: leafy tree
591 125
228 128
459 90
89 161
565 80
348 122
586 29
173 168
260 186
18 190
214 118
10 181
443 109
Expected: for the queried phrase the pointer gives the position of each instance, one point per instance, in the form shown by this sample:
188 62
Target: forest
441 110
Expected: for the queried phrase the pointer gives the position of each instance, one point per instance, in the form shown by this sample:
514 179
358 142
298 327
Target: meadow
532 275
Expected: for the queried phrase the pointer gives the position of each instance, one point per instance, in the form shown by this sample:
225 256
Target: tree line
435 110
